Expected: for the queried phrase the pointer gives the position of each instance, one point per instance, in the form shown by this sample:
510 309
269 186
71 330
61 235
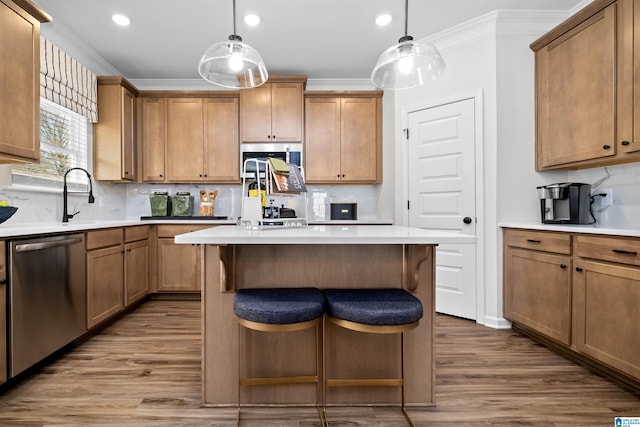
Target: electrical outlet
608 199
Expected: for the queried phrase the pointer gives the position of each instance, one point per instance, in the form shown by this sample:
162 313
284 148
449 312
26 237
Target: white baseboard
496 322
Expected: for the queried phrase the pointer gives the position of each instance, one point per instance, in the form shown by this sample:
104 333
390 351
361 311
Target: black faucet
66 216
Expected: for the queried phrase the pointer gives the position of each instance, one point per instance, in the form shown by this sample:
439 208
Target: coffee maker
565 203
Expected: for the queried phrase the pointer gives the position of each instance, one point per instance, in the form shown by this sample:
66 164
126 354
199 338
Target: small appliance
565 203
348 211
287 152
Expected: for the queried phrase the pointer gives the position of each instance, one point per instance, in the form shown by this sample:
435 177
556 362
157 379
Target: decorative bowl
6 212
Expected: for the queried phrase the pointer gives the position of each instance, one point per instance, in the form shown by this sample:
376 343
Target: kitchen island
323 257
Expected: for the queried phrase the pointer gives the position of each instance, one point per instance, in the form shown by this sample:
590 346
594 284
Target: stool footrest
303 379
369 382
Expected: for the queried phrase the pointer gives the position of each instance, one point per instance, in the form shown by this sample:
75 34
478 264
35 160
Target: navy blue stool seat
281 310
375 311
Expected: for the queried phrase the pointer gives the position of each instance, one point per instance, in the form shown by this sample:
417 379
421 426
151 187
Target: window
63 145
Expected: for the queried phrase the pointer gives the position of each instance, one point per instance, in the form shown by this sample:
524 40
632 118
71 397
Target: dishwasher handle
30 247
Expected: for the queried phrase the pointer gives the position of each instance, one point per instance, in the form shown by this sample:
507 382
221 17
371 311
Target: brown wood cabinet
153 136
274 111
136 263
114 143
178 266
3 314
105 275
607 301
587 112
343 137
580 290
20 81
202 139
537 277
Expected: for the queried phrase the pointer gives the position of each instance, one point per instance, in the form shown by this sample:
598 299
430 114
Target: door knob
467 220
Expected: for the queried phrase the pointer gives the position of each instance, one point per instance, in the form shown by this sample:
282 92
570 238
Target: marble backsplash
131 201
623 183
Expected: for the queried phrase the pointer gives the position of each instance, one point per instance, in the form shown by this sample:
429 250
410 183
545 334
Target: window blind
66 82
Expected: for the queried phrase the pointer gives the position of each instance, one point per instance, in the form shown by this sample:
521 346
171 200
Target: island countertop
321 234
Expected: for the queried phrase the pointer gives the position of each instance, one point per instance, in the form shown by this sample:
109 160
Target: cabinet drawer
622 250
140 232
547 241
172 230
103 238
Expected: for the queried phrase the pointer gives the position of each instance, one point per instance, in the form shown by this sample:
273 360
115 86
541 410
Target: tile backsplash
623 183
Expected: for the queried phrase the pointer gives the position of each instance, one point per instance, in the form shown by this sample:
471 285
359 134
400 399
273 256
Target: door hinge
406 133
408 205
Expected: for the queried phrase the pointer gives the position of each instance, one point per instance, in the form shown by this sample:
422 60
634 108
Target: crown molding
200 84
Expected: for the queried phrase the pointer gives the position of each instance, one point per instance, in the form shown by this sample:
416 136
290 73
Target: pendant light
232 63
407 64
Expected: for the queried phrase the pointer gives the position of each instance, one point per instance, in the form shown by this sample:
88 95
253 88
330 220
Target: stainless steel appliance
565 203
47 297
288 152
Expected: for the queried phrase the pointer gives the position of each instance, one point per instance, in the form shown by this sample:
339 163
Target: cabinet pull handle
623 252
606 146
578 269
533 241
625 143
563 266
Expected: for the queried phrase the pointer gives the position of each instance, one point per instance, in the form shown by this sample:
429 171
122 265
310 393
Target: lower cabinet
582 291
178 265
136 264
105 275
3 315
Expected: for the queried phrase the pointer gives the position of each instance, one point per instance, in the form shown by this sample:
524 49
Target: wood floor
145 371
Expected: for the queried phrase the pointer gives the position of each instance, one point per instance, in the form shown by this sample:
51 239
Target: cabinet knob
338 175
606 146
269 136
200 175
343 175
563 266
126 173
161 176
578 269
205 175
625 143
274 137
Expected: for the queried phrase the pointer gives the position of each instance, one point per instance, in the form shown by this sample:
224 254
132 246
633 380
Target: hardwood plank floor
144 370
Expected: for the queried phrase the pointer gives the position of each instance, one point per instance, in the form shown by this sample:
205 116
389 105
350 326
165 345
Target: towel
279 166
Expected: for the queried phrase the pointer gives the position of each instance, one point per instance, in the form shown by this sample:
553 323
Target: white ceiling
325 39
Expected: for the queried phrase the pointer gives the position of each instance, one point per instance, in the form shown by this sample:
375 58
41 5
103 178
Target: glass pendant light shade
407 64
233 64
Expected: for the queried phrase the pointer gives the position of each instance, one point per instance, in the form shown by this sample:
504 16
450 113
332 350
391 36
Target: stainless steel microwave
289 152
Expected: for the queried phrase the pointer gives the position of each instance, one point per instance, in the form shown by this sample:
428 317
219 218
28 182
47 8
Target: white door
442 196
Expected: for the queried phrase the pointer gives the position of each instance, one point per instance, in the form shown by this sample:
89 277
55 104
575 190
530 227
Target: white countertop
323 234
631 231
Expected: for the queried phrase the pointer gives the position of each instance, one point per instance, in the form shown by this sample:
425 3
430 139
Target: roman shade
66 82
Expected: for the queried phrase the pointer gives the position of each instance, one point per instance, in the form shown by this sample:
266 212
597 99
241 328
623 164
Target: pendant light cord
406 17
234 17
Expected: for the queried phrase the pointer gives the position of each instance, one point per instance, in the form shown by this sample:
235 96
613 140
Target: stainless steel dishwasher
47 303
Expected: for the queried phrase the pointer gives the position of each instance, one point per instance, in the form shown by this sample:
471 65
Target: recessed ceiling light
251 19
121 20
383 19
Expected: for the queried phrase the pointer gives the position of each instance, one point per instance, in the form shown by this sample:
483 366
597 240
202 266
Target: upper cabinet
587 71
114 136
202 139
153 137
343 141
273 112
20 81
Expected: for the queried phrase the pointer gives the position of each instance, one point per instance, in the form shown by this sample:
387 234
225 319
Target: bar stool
280 310
375 311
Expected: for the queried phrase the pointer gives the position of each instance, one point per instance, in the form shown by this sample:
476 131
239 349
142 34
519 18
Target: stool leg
239 372
404 411
324 369
319 370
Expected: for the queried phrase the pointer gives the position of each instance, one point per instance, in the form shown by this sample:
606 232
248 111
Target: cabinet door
153 139
19 85
136 271
360 150
633 145
129 146
322 143
185 139
105 290
3 315
287 112
576 93
178 266
255 114
537 292
222 145
606 313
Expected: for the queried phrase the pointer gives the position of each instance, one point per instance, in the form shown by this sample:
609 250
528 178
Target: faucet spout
66 216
